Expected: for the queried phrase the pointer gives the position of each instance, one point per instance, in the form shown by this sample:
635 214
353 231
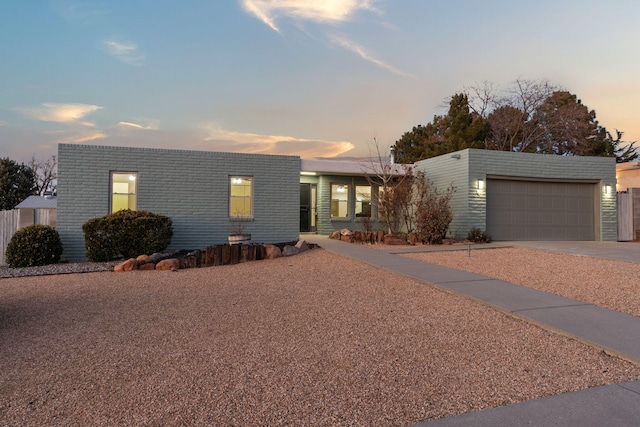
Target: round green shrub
34 245
126 234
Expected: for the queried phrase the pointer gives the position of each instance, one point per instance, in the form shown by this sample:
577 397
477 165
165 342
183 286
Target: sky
312 78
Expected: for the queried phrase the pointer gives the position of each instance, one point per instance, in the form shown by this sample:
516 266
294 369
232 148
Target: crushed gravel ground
597 281
61 268
314 339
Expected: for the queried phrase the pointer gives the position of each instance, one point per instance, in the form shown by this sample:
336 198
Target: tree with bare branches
531 116
394 181
46 175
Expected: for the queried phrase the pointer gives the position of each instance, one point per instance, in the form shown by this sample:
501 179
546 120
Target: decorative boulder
394 240
147 266
272 251
143 259
335 235
128 265
171 264
302 245
290 250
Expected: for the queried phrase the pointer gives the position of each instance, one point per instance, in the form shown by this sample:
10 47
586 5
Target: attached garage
540 210
528 196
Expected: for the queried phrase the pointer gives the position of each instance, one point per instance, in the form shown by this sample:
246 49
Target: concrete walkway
615 332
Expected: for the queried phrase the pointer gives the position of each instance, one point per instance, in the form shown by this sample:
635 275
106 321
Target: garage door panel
532 210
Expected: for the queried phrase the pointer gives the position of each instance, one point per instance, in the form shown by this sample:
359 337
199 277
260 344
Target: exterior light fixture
480 184
607 189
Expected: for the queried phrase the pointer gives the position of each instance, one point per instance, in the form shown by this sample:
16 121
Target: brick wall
470 205
191 187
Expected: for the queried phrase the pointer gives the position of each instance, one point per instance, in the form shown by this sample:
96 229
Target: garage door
532 210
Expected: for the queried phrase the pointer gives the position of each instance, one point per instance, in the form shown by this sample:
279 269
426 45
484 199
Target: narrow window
363 201
339 200
123 191
241 196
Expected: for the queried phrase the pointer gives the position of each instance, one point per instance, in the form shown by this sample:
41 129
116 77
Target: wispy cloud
124 51
360 51
331 11
225 140
148 126
321 11
76 136
62 113
79 12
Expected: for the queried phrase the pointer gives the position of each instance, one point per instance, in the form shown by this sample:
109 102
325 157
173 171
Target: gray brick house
199 190
514 196
526 196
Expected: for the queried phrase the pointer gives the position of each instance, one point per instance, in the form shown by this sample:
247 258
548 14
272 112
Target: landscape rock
346 238
155 257
290 250
335 234
147 266
272 251
143 259
128 265
171 264
394 240
302 245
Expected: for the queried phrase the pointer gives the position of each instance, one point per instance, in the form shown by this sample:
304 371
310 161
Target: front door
308 197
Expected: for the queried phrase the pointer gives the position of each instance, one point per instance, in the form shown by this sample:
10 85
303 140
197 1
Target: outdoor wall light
607 190
480 185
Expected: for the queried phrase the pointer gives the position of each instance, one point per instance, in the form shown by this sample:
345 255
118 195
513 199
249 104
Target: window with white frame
240 196
339 200
124 191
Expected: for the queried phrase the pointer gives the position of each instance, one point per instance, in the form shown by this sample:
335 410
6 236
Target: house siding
469 205
190 187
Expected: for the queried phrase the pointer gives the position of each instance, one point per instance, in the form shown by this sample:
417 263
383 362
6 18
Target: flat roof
349 167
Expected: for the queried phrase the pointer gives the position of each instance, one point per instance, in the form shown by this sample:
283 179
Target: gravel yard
602 282
314 339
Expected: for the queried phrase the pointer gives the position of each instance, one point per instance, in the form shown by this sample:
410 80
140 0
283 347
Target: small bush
478 236
432 210
126 234
34 245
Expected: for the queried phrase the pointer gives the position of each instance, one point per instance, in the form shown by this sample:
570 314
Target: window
123 191
241 196
339 200
363 200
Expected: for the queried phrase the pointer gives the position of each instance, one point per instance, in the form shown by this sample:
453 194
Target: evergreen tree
17 182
